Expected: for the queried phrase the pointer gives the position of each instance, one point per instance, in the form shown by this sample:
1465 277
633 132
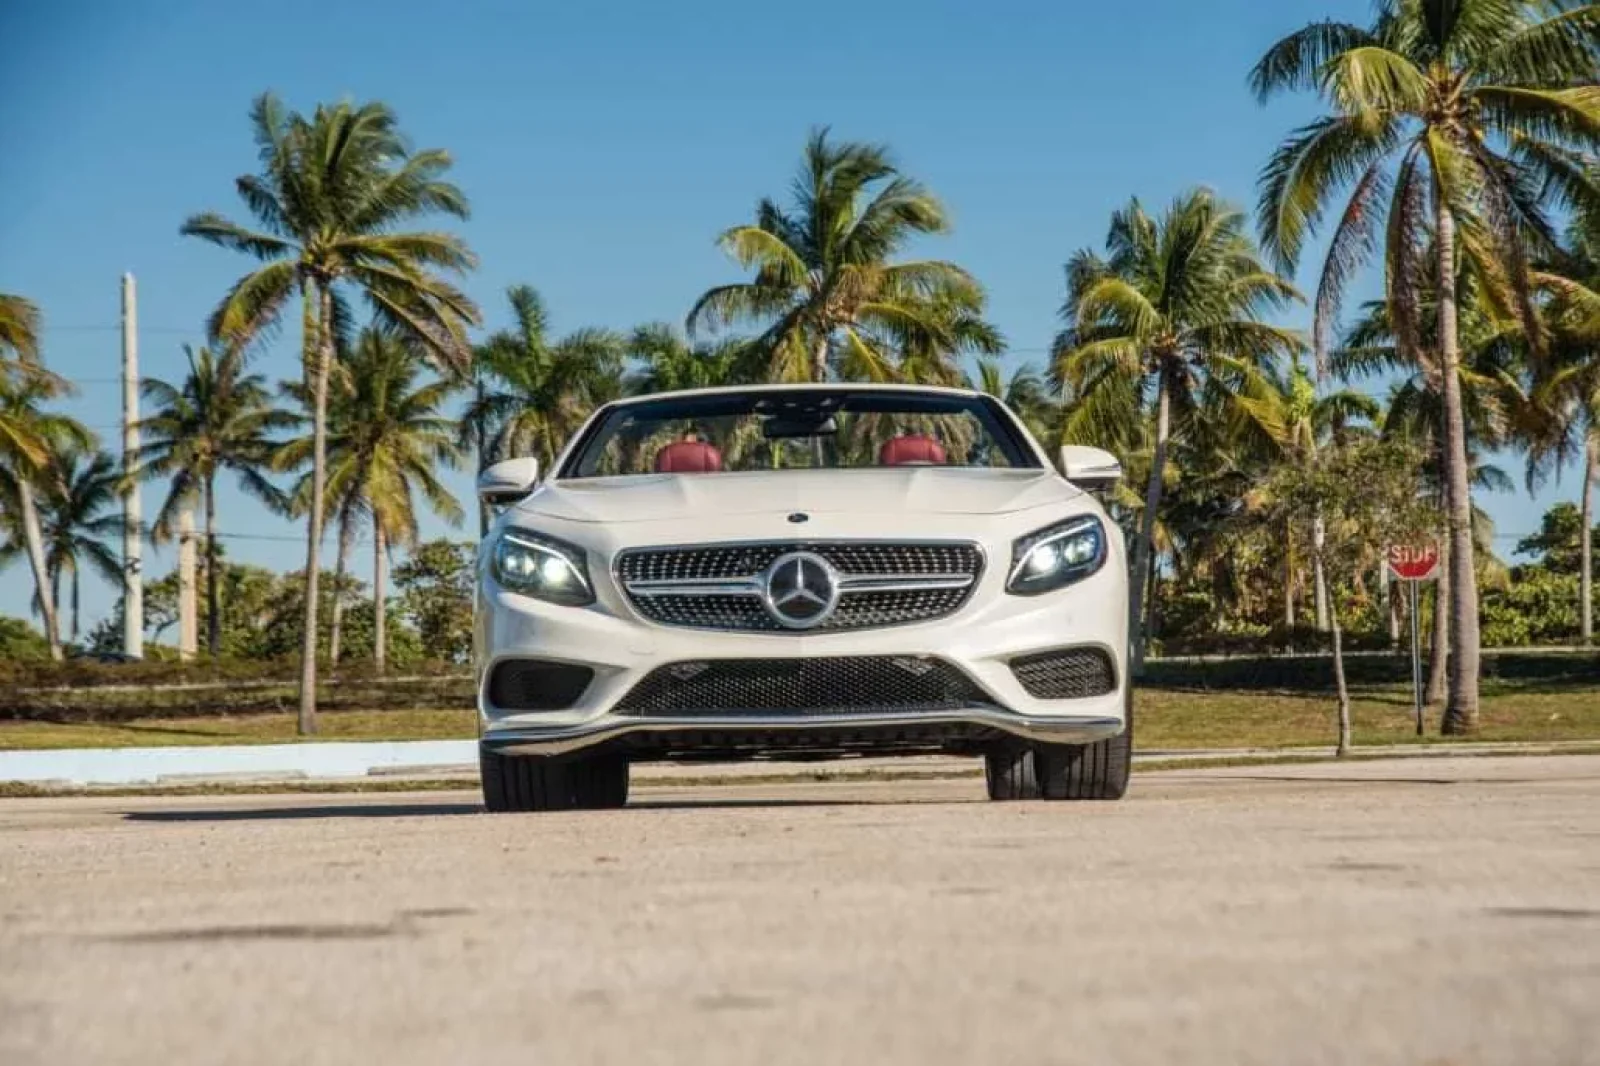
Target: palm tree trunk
1319 532
819 359
213 578
1461 705
76 601
1439 651
1288 584
1339 682
1143 549
34 538
379 579
481 431
322 356
55 590
336 612
1391 607
1591 461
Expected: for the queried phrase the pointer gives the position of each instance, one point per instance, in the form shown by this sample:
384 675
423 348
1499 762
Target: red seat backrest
688 457
909 450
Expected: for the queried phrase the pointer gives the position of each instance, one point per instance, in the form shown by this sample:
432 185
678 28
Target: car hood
924 490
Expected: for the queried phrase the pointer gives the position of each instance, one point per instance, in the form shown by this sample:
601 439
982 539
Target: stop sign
1414 562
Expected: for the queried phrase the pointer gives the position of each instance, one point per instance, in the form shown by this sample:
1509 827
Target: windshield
799 430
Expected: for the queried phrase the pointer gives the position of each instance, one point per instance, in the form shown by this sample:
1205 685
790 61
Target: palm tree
665 362
533 394
81 489
19 331
333 192
217 419
1313 420
1171 316
29 438
386 439
825 291
1565 395
1475 112
1025 392
1491 361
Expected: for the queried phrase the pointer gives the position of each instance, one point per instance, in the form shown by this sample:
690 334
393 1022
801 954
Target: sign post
1415 564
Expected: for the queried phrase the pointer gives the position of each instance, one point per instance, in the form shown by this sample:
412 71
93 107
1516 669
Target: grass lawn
1380 714
1169 717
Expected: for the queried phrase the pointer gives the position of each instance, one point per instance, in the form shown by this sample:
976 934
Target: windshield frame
1007 431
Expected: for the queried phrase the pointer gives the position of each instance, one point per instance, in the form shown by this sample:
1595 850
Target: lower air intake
533 685
837 686
1068 674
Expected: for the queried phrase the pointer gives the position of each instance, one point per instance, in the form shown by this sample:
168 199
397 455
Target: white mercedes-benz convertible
801 572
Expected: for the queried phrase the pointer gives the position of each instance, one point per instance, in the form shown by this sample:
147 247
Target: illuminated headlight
543 568
1057 556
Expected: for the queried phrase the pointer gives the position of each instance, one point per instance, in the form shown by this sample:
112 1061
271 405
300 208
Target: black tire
1010 775
1096 771
534 783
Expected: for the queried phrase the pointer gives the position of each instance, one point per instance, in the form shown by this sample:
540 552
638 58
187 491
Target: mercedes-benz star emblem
801 590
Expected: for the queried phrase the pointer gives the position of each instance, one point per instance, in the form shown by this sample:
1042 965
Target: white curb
323 760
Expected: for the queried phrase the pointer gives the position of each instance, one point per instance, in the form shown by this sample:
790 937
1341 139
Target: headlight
543 568
1057 556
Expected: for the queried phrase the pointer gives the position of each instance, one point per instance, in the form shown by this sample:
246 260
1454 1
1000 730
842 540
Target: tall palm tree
30 436
218 419
1167 327
386 440
1474 112
81 511
329 202
533 393
826 293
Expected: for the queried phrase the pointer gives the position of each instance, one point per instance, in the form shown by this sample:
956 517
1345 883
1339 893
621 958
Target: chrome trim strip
751 586
567 739
692 586
899 583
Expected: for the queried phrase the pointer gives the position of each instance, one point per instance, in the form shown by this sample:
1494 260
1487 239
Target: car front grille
826 686
720 586
1066 674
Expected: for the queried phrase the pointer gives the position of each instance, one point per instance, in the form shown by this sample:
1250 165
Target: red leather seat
912 450
688 457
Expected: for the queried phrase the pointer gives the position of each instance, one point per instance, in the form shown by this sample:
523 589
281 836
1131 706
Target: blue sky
603 146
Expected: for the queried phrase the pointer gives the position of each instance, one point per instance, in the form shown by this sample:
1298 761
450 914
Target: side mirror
508 481
1091 469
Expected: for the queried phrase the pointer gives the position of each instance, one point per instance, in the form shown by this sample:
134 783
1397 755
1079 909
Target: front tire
535 783
1097 771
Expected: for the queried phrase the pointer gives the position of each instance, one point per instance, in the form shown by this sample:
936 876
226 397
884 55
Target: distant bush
20 642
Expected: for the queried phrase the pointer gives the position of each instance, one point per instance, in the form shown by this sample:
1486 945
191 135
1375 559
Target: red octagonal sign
1414 562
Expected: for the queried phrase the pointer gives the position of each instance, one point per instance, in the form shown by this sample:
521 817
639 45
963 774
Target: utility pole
188 620
132 546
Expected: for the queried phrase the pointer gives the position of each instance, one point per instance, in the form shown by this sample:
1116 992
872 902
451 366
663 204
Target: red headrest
914 449
688 457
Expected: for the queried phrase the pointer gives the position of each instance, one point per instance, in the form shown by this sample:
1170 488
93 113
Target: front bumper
981 640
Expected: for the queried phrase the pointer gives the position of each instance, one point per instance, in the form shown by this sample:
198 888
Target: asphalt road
1418 912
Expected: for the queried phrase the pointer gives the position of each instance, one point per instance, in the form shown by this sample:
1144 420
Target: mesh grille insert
1067 674
856 685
